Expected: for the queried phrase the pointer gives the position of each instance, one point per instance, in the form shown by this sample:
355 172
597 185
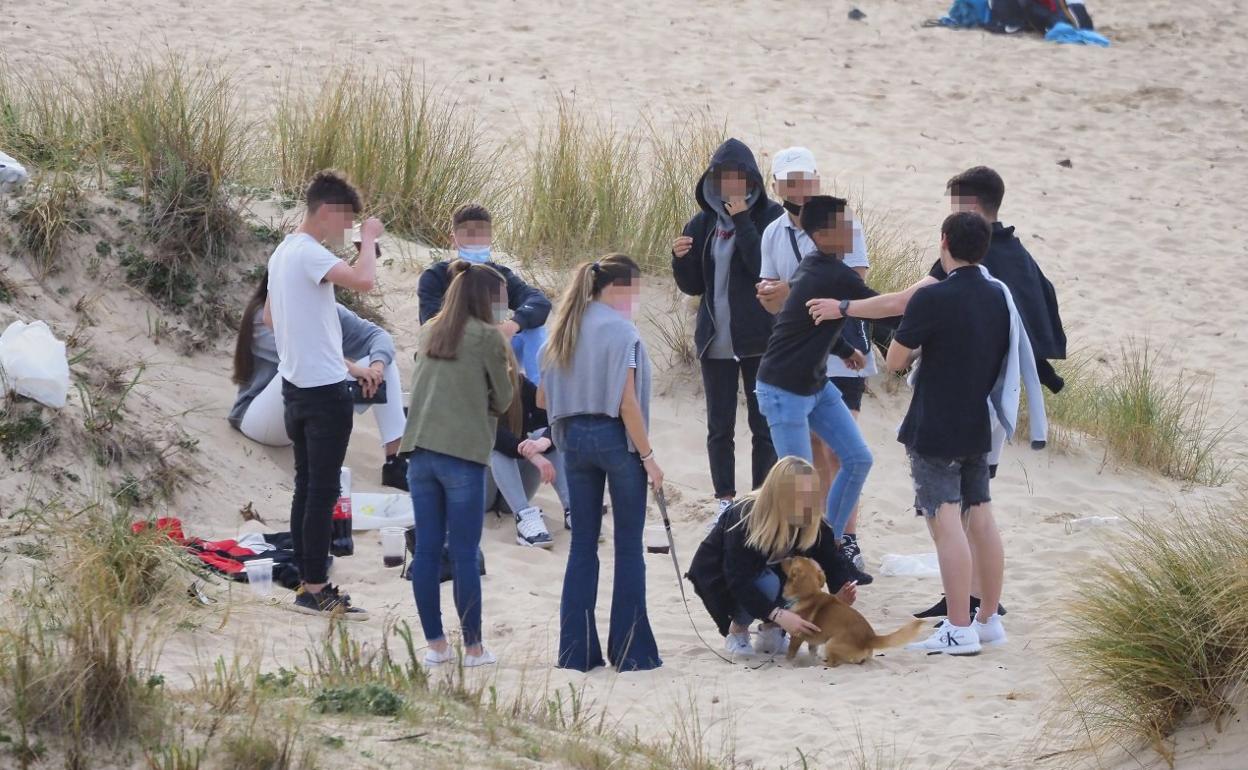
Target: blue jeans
528 345
769 583
597 456
792 418
448 497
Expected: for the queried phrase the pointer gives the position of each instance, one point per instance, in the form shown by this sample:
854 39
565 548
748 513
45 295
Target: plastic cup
260 576
392 545
656 540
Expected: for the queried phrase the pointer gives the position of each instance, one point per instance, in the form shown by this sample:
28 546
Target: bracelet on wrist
647 456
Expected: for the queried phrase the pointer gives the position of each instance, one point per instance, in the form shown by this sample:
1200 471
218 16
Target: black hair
981 183
820 212
469 212
332 187
244 363
967 235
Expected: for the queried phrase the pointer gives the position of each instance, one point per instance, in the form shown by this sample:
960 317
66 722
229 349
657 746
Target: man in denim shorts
962 327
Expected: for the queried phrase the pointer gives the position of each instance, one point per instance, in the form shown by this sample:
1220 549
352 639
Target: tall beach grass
1159 634
590 187
412 151
1143 413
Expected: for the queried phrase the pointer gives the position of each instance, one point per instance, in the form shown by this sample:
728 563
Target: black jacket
528 305
724 568
534 419
695 272
1010 263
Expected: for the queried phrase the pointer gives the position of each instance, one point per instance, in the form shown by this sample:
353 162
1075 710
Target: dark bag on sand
446 572
1038 15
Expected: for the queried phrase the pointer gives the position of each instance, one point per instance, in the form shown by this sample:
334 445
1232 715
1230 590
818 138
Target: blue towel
1062 32
967 13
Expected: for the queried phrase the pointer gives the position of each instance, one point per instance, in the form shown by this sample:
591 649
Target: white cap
792 160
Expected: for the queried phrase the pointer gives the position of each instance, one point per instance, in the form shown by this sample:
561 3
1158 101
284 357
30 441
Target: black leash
661 500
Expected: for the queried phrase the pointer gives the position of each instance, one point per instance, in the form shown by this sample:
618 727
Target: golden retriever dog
845 634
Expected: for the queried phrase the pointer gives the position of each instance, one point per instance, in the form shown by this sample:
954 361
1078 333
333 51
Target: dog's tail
904 635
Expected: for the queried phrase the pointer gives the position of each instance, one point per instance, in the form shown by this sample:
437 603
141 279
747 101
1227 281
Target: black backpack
1037 15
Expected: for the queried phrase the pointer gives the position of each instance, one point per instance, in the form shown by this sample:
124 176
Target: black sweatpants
318 421
719 380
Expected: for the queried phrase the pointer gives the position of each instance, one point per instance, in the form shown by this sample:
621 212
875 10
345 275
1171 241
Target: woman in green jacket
459 387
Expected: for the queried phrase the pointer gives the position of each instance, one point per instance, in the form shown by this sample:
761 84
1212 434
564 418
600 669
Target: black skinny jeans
318 421
719 380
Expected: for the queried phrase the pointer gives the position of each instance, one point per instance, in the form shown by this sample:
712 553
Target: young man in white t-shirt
319 407
795 179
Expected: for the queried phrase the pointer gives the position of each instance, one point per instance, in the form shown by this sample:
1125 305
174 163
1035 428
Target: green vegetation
1160 632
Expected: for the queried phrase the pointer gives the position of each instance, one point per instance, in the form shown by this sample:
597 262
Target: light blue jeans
769 583
792 418
527 345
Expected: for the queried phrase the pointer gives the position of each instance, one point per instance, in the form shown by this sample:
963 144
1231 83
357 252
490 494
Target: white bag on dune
33 363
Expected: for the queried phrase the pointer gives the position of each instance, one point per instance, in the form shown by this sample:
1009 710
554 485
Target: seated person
471 234
736 571
523 454
259 412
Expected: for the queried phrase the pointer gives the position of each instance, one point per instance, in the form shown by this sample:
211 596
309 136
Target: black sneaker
850 544
328 601
394 473
940 609
863 578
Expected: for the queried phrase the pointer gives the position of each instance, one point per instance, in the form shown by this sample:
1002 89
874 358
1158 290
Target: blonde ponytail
587 284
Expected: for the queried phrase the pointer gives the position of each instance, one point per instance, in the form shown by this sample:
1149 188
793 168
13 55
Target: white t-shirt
780 263
305 318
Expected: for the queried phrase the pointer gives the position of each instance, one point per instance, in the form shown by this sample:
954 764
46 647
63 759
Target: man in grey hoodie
718 258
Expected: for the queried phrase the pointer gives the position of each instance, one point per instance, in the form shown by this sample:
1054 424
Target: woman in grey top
258 411
596 390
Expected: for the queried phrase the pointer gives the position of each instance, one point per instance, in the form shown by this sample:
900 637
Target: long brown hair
767 524
472 293
515 412
587 284
244 362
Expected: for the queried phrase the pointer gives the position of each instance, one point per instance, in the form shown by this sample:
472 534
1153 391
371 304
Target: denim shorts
851 389
942 480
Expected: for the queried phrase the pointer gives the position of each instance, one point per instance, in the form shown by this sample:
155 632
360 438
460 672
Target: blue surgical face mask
477 254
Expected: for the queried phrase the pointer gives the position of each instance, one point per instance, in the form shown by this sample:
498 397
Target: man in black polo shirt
962 328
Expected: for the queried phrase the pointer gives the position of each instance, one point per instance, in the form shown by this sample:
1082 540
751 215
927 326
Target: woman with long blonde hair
736 571
596 389
460 385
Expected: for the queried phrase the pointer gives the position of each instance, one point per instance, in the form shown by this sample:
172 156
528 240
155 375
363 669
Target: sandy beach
1141 232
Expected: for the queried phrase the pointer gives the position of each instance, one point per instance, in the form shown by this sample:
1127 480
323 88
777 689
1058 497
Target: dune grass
412 151
897 258
591 187
42 123
1143 413
50 211
1159 633
185 134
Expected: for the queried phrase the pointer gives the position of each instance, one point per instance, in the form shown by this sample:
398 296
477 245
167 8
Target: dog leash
661 500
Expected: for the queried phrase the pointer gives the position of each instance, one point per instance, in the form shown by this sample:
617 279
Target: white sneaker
531 529
486 658
435 658
722 506
992 632
738 644
770 640
950 639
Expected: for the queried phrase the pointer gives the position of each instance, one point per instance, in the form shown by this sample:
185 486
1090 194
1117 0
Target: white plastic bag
12 174
370 510
910 565
33 363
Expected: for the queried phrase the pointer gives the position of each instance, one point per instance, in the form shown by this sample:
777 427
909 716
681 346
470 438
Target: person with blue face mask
528 306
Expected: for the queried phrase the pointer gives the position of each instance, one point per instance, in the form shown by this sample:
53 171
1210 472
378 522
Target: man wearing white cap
795 178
